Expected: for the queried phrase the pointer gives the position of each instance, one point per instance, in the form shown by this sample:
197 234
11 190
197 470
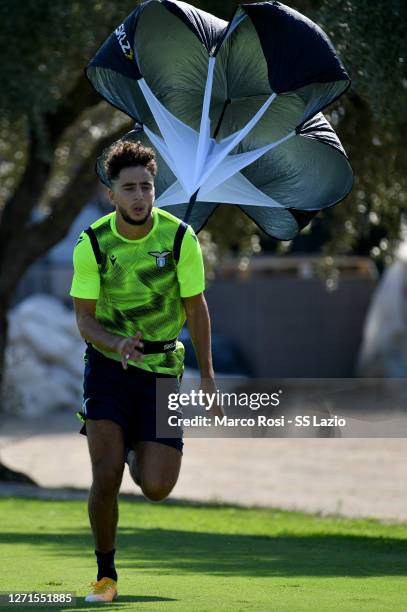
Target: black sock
106 568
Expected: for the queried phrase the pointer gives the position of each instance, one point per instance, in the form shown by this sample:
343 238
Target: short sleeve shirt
138 285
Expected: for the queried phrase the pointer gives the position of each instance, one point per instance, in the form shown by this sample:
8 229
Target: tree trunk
9 475
23 242
30 241
3 342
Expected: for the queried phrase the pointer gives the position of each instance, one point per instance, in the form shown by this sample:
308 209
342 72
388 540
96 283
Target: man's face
133 194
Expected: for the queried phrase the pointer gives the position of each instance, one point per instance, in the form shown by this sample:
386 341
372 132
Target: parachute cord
192 201
228 101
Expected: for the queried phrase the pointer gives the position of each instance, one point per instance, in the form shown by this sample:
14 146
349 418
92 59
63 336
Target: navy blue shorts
127 397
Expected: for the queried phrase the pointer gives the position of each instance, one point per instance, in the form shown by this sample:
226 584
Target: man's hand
93 331
208 385
127 349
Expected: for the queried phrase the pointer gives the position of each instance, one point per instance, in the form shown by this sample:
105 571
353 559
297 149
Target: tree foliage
52 126
48 43
51 119
372 121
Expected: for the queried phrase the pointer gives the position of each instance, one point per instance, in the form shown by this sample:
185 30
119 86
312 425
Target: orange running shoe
104 589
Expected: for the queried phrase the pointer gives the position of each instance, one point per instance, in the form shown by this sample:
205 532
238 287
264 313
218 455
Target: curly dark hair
124 154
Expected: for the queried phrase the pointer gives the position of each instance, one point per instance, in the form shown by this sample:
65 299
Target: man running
138 275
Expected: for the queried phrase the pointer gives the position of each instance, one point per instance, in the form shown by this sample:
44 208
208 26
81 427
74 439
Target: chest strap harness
151 347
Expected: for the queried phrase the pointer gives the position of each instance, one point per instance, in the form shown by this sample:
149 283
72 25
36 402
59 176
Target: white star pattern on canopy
199 162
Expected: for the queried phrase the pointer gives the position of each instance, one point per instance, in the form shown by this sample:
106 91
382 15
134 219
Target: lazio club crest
160 258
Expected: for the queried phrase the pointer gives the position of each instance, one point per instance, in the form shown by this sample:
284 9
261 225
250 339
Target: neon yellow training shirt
138 285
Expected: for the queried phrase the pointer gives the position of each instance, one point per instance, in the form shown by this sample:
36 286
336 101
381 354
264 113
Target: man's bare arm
94 332
199 326
200 330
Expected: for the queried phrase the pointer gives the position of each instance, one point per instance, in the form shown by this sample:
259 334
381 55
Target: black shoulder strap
182 228
176 251
95 245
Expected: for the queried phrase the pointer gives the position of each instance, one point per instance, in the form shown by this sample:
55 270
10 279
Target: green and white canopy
233 109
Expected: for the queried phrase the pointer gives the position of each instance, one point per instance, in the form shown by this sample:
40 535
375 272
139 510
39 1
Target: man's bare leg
106 448
155 468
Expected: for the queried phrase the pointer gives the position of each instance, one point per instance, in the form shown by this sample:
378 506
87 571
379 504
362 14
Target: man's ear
110 194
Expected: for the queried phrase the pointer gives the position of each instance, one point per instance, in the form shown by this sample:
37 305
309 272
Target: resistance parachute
233 109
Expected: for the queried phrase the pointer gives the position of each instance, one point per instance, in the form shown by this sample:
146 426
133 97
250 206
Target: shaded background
292 308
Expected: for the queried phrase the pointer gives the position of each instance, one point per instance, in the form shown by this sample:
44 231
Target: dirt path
350 477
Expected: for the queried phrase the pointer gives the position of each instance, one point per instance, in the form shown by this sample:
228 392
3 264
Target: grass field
186 558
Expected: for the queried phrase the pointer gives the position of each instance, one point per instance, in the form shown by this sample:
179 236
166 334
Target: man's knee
107 477
156 490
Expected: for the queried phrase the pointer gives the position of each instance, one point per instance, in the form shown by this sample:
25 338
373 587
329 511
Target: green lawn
187 558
